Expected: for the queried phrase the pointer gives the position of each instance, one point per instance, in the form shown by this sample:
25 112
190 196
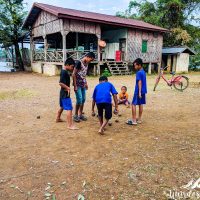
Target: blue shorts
66 104
80 96
138 101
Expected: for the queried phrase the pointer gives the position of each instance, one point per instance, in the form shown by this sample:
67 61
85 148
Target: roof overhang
177 50
38 7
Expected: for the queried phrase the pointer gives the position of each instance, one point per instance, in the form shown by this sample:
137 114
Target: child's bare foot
101 131
72 128
139 121
59 120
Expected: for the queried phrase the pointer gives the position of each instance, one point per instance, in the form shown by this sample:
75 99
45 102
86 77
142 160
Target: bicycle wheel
156 84
180 83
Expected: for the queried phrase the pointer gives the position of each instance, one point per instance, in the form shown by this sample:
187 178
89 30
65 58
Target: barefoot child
102 98
123 97
65 100
139 98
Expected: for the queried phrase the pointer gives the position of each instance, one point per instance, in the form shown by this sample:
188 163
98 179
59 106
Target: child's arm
64 86
93 105
140 88
74 79
116 102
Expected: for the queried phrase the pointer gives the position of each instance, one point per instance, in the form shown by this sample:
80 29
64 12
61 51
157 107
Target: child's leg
101 130
78 104
127 103
100 113
140 112
108 116
100 121
83 97
58 118
70 124
134 113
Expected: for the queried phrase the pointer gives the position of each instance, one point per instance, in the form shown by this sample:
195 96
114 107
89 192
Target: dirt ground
40 159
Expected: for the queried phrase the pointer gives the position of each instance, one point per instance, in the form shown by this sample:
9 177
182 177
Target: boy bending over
102 98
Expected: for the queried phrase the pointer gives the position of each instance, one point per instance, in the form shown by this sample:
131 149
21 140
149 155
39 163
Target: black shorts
108 110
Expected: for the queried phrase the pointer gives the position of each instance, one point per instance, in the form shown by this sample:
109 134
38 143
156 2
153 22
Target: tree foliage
181 17
12 15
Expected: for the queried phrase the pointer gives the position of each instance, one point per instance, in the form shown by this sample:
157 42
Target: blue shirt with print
141 76
103 91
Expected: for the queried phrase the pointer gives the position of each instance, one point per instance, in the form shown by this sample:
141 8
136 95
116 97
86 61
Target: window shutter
144 46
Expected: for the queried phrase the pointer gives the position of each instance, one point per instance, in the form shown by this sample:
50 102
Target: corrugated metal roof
176 50
88 16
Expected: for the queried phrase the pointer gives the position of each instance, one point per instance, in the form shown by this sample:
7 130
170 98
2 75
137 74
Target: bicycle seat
173 73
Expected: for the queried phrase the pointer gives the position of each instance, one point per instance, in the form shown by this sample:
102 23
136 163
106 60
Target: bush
106 73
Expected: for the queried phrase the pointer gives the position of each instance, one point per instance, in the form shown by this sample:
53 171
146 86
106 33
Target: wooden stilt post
31 48
149 69
45 48
77 41
64 47
169 63
159 67
174 63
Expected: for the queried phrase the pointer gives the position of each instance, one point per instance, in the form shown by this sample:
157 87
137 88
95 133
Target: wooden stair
118 68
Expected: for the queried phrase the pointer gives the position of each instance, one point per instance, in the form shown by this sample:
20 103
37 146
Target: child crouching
123 97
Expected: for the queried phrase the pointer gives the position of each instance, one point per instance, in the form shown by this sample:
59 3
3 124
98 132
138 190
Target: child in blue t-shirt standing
103 99
140 92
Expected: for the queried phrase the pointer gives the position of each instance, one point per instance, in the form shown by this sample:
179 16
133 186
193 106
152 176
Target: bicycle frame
176 81
161 75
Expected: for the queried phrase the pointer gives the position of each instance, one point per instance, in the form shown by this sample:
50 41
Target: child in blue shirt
103 99
140 92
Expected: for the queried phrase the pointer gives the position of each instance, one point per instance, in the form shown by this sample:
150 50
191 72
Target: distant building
72 33
176 58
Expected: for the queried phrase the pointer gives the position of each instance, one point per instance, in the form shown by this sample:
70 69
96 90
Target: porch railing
57 55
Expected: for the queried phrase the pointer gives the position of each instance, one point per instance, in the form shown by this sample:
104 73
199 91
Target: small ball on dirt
117 121
110 123
93 114
38 117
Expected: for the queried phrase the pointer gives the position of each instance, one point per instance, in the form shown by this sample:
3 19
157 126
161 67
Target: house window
144 46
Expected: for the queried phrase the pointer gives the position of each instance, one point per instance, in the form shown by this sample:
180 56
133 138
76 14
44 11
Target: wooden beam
31 48
149 68
77 41
64 46
45 47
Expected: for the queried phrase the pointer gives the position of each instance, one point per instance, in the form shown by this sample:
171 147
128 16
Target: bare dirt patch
40 157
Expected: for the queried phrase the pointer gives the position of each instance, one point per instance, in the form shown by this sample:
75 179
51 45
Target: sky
100 6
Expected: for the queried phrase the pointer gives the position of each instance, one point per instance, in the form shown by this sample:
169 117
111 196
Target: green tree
181 17
175 15
11 19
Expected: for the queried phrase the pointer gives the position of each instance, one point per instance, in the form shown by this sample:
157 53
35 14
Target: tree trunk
19 57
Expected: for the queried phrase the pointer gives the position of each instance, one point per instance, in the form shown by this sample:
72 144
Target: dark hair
138 61
124 87
90 55
103 78
69 61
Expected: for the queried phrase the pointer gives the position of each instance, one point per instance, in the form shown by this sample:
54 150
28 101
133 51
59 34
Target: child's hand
116 111
93 114
86 86
75 88
140 95
67 90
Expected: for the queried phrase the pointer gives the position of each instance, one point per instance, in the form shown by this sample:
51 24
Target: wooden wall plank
134 49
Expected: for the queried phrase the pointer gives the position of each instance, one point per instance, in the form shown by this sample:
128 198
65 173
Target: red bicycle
179 82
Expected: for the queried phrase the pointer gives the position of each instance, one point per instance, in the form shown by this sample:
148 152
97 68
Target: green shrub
106 73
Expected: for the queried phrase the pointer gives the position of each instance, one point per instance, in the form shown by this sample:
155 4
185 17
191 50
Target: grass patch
23 93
